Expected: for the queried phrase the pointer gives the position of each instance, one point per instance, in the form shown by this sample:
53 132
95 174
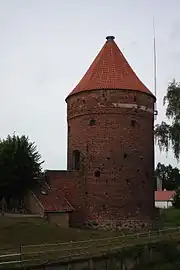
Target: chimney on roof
110 38
159 183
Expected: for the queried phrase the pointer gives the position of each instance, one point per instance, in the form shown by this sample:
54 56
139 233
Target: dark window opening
141 157
108 158
125 155
86 192
106 181
92 122
139 205
138 169
133 123
97 173
103 206
76 160
134 98
127 180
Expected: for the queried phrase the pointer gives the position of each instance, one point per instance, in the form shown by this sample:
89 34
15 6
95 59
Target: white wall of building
163 204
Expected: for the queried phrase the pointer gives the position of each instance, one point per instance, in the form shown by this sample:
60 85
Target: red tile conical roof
110 70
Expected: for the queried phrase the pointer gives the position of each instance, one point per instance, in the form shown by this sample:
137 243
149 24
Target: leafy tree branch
168 135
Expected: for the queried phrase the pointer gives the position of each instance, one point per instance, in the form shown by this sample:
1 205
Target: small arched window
76 160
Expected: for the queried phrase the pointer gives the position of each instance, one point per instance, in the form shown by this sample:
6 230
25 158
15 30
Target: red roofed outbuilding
164 198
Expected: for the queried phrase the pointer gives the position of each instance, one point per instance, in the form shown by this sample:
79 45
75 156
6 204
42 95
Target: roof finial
110 38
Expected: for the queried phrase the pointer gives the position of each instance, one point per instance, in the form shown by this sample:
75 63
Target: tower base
122 225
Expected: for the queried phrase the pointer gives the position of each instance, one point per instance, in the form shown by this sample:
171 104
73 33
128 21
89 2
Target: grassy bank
27 231
33 231
171 217
18 231
161 266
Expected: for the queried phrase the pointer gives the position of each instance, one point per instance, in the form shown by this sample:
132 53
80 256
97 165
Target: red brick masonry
110 115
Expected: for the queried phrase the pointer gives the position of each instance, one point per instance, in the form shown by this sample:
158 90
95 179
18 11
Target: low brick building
110 171
51 204
164 198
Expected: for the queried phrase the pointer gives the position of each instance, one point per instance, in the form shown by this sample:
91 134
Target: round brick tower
110 116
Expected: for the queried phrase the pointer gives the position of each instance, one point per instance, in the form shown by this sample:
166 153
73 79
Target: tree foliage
170 176
167 135
20 164
176 200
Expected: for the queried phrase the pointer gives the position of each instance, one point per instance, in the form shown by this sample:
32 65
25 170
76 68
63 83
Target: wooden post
91 264
69 266
107 264
21 259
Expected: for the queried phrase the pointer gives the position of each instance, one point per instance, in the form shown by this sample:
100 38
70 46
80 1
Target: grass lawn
171 217
26 231
18 231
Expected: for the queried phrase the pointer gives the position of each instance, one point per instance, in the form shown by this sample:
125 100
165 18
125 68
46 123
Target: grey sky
47 45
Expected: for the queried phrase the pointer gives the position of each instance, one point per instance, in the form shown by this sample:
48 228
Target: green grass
17 232
160 266
34 231
28 231
171 217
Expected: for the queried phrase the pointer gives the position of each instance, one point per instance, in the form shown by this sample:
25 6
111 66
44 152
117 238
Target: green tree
20 165
168 135
170 176
176 200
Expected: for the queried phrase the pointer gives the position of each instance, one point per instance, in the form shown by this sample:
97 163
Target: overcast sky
46 47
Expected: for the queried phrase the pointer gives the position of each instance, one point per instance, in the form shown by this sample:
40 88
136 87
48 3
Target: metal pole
155 70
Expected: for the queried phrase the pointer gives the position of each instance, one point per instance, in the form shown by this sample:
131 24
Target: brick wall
61 219
113 130
71 183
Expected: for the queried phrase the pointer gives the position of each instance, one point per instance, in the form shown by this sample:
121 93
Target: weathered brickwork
71 184
116 149
109 179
